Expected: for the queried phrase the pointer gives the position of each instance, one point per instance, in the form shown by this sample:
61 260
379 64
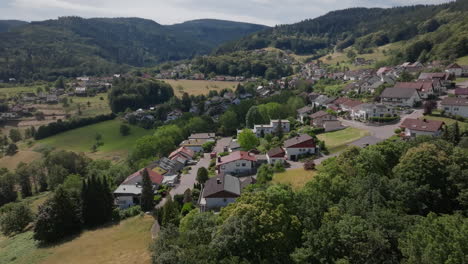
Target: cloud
269 12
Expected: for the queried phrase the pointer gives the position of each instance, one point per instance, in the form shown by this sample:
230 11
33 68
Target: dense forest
364 28
395 202
73 46
7 25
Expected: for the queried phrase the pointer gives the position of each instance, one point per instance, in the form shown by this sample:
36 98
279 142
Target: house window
223 167
237 164
243 164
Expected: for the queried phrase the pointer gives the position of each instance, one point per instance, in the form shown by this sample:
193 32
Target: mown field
11 162
463 60
82 139
123 243
14 90
297 178
338 140
195 87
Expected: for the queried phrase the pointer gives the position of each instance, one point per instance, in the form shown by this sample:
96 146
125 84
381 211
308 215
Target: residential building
236 163
319 118
424 88
273 127
408 97
196 145
445 78
455 69
174 115
203 136
222 190
303 112
461 92
421 127
366 111
299 146
276 154
455 106
128 193
182 155
233 146
332 125
80 91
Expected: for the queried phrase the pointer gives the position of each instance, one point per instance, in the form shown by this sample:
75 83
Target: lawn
448 121
14 90
96 105
337 140
26 156
82 139
126 242
463 60
195 87
297 178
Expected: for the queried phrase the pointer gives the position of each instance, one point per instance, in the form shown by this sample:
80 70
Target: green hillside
72 46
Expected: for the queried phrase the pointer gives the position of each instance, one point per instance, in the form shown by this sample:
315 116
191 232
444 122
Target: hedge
62 126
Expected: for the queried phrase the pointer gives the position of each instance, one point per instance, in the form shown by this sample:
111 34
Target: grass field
297 178
26 156
460 79
126 242
195 87
82 139
448 121
463 60
96 106
14 90
337 140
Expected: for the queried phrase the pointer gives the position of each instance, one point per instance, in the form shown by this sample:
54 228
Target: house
174 115
233 146
303 112
424 88
182 155
203 136
384 71
319 118
222 190
274 127
196 145
276 154
455 106
52 99
128 193
348 105
461 92
419 127
412 67
367 111
400 97
455 69
323 100
166 166
80 91
236 163
444 78
299 146
332 125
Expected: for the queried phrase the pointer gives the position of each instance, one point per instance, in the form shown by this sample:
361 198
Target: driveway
221 143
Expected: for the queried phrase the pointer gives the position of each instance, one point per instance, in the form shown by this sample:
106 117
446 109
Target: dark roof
422 124
202 136
455 101
297 140
276 151
319 114
453 65
398 92
304 109
228 185
237 155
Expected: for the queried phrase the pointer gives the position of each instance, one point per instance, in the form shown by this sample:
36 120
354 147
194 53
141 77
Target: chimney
219 159
425 120
218 181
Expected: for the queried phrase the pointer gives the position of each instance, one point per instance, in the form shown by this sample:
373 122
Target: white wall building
455 106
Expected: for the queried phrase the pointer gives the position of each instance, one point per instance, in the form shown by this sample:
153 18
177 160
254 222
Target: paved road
221 143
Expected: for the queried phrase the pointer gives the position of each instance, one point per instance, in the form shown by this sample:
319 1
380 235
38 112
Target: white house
455 106
195 145
236 163
366 111
400 97
304 112
299 146
425 88
128 193
222 190
454 69
421 127
273 127
276 154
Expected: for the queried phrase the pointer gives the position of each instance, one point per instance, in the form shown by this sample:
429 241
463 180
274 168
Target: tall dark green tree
202 175
7 187
147 193
24 179
97 203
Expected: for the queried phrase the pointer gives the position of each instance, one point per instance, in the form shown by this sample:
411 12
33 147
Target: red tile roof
184 151
454 101
276 152
461 91
237 155
421 85
155 177
422 125
299 140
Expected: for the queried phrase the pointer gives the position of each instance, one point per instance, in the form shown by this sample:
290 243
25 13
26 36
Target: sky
266 12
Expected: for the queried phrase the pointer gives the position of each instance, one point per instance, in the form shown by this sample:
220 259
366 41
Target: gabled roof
318 114
455 101
434 75
352 103
454 66
182 151
422 125
202 136
297 140
237 155
398 93
276 152
222 186
193 142
304 110
461 91
155 177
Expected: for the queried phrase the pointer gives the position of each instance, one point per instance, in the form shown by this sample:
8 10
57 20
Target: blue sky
267 12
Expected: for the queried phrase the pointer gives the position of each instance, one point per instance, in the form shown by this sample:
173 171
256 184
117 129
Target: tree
15 135
147 193
24 180
429 106
97 200
58 217
7 188
254 117
202 175
264 174
279 166
15 218
228 122
170 213
248 140
124 130
11 149
60 83
56 176
187 196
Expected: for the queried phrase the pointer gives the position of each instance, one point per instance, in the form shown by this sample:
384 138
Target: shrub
309 165
397 131
15 218
129 212
157 199
208 146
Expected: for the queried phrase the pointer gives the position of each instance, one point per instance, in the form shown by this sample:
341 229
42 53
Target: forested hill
7 25
362 27
73 46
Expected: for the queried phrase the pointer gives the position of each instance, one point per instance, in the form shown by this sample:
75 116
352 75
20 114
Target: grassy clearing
96 105
26 156
338 140
195 87
297 178
14 90
82 139
126 242
448 121
463 60
460 79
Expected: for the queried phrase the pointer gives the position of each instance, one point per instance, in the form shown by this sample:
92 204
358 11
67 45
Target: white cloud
269 12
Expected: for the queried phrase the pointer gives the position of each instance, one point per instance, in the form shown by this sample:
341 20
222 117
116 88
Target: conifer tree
147 193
